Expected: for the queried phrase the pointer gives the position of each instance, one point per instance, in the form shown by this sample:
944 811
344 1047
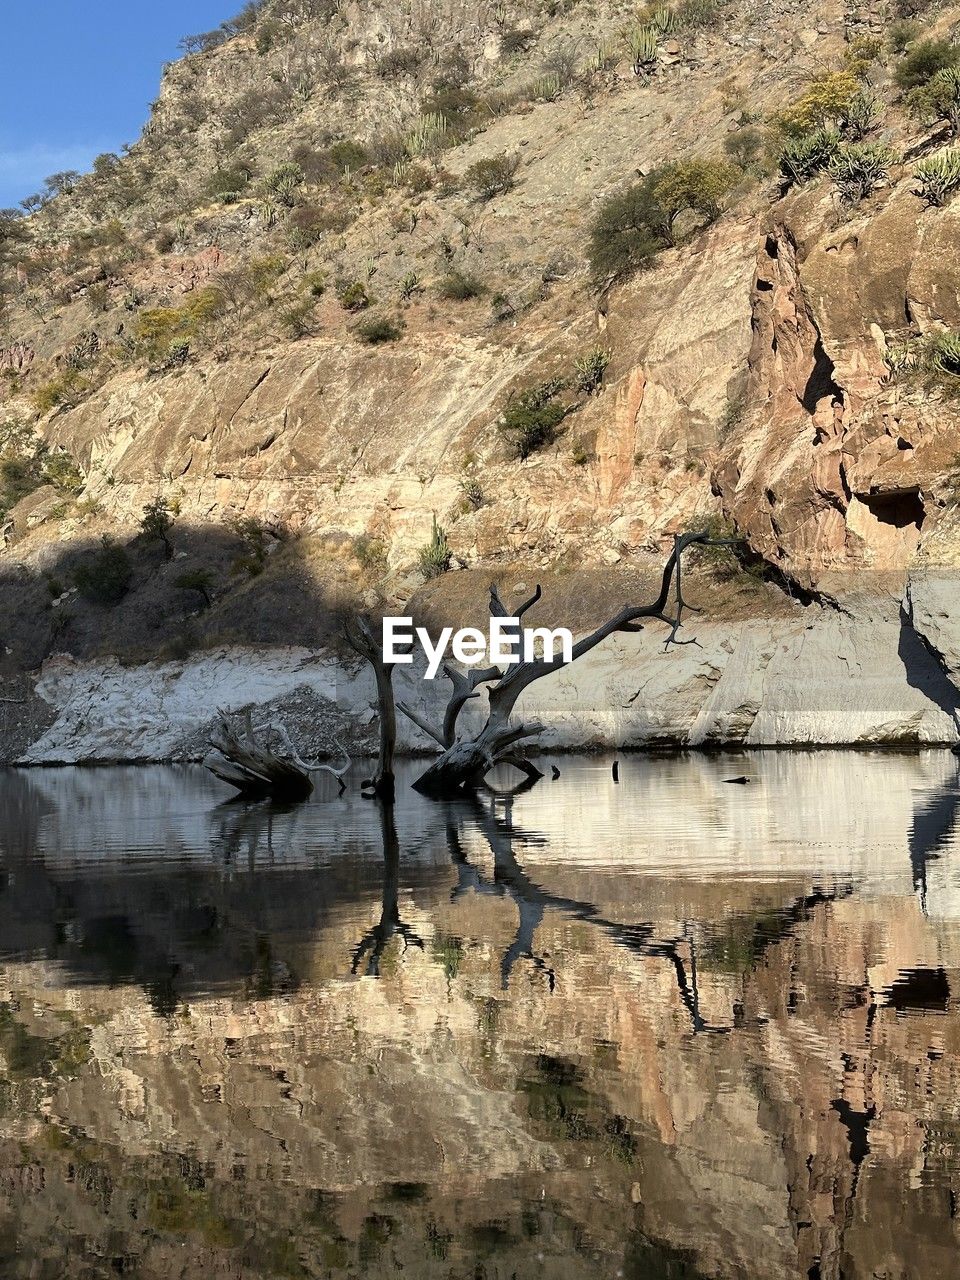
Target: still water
672 1028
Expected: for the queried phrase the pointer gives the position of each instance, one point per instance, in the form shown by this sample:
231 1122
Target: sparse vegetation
590 369
379 329
492 176
353 296
253 558
370 554
63 390
933 357
530 420
27 463
435 557
103 577
458 286
939 176
156 523
857 168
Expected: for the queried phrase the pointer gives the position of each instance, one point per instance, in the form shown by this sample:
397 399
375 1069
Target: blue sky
77 78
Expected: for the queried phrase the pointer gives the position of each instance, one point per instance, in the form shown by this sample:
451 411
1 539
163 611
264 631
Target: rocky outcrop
819 676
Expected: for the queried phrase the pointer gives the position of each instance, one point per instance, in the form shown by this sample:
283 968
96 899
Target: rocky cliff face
178 326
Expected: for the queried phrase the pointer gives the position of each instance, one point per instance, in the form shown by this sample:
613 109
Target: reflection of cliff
535 1089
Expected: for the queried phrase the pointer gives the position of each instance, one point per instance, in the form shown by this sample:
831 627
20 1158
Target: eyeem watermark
505 643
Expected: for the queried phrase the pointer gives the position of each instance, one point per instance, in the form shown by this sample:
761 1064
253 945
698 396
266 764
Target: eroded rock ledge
880 670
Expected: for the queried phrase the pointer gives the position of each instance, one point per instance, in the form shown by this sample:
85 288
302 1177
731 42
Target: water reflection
666 1028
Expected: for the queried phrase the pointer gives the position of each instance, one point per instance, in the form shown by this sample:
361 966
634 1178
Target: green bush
590 369
902 33
824 104
199 580
349 155
530 421
353 296
805 157
628 230
435 557
457 286
939 176
379 329
939 99
857 168
284 183
923 61
156 523
224 182
492 176
633 224
104 577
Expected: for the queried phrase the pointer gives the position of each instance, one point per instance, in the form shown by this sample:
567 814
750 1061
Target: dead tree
245 761
463 763
361 639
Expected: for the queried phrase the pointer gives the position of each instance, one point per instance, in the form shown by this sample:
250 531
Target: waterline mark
505 643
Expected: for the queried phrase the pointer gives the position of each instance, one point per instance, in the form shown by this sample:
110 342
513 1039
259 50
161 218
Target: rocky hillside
565 278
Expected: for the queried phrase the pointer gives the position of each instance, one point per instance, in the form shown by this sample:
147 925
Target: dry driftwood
244 761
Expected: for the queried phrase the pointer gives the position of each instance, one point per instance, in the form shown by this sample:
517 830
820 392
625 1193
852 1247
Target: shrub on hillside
353 296
627 232
805 157
633 224
493 175
531 419
923 61
825 102
284 183
458 286
939 99
156 523
62 390
199 580
590 369
379 329
104 577
939 176
436 556
857 168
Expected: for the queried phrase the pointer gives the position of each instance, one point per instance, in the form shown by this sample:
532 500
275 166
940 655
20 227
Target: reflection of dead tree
531 901
373 944
464 763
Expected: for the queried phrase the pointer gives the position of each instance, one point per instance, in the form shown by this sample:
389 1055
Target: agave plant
804 157
939 99
860 115
943 353
939 176
857 168
665 20
426 135
644 42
